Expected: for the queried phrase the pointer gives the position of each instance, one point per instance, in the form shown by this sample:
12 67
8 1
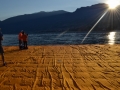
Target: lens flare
94 26
113 3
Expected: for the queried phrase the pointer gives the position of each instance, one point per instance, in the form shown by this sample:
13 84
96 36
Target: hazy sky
10 8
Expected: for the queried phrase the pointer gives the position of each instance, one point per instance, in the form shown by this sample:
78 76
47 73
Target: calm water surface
64 39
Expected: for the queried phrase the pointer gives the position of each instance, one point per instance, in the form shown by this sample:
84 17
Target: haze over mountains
59 21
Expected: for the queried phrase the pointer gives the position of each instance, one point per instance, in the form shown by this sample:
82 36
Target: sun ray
94 26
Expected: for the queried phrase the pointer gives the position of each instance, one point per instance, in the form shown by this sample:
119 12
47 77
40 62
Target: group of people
23 40
22 43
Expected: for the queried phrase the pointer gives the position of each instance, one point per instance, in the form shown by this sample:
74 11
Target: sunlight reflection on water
111 38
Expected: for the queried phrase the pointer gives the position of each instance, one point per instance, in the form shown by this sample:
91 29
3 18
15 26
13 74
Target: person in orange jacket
25 37
20 38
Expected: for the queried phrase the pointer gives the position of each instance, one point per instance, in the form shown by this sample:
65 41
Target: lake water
64 39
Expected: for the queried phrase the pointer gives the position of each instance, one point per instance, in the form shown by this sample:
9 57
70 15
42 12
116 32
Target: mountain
58 21
33 16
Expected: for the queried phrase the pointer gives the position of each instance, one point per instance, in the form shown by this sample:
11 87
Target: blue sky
10 8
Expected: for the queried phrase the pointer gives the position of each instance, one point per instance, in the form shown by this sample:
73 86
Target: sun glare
113 3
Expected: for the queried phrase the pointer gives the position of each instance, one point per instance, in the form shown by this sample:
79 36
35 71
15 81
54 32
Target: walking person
20 37
25 37
1 48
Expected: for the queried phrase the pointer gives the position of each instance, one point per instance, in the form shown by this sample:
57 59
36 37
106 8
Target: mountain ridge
82 19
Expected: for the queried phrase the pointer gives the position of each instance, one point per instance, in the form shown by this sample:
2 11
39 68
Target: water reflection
111 38
66 39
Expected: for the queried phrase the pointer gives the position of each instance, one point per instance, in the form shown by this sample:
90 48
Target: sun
113 3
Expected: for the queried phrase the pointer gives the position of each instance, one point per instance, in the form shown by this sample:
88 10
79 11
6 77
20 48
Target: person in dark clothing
1 48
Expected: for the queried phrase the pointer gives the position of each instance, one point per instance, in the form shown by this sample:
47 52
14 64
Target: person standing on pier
20 37
25 37
1 48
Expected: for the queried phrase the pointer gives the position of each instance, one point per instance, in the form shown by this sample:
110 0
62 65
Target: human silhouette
1 48
25 36
20 38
